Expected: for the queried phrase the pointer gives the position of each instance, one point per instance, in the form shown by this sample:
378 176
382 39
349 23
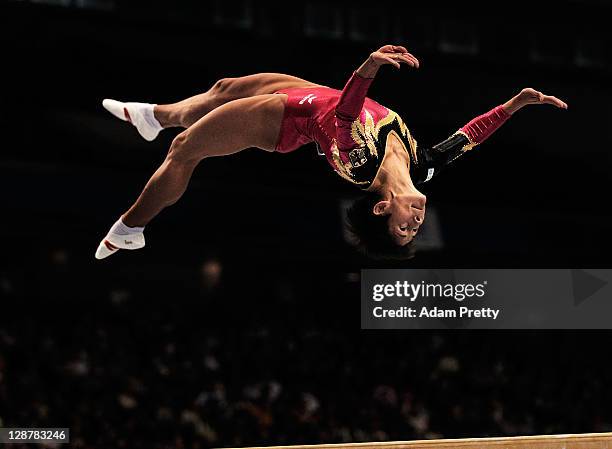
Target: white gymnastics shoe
114 242
138 114
119 237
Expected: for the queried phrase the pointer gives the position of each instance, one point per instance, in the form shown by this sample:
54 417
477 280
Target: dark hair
369 232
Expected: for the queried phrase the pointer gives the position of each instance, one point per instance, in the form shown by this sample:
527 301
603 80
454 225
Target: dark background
247 282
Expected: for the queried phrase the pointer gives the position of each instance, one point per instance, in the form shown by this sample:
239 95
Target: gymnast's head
385 226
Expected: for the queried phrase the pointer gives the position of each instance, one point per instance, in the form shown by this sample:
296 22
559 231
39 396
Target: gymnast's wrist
372 61
512 105
368 69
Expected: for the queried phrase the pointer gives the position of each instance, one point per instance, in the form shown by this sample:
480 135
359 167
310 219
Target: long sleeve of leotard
473 133
348 109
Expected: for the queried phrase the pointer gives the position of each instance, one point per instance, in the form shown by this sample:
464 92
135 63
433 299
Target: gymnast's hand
389 54
531 96
394 55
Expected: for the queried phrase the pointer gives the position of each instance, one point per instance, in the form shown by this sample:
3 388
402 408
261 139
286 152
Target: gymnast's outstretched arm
478 130
356 89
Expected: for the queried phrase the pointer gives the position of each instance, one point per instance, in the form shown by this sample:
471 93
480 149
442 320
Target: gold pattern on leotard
344 170
466 147
411 140
366 135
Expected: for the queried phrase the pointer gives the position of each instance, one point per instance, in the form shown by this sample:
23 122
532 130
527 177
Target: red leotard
351 130
338 121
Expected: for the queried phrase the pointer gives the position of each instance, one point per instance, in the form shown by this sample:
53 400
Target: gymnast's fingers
407 60
386 49
554 101
414 58
392 61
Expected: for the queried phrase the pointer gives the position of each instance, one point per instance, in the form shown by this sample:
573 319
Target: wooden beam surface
578 441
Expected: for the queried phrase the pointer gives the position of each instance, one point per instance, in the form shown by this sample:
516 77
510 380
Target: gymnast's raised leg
150 119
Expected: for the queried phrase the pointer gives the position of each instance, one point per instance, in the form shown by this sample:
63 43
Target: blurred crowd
238 359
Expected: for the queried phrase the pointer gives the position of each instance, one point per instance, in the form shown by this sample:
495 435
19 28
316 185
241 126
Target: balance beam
578 441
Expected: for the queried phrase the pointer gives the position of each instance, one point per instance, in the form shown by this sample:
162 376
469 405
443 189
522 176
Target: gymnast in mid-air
365 143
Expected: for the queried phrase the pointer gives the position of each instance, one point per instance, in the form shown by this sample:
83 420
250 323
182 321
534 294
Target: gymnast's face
406 214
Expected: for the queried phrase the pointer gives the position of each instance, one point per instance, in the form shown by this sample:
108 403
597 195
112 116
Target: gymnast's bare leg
150 119
186 112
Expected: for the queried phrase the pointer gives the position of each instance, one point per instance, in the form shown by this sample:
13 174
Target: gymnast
365 143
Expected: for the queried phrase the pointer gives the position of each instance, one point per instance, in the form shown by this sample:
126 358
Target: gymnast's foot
138 114
119 237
